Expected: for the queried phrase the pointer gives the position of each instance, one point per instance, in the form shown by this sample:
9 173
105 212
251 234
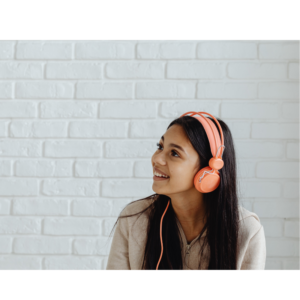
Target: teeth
159 175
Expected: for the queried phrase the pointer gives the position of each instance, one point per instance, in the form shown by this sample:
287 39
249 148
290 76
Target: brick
44 90
73 148
226 50
105 168
6 90
38 129
166 50
127 110
249 70
275 130
4 206
291 190
277 169
21 70
279 40
279 50
5 245
5 167
37 207
43 168
292 150
20 225
246 169
7 50
226 90
19 148
282 247
108 225
297 248
104 90
20 263
99 129
99 208
273 264
278 90
17 70
272 228
147 129
74 70
289 264
290 111
119 204
165 90
262 199
104 50
129 149
253 149
70 187
73 263
143 169
239 129
265 189
3 128
134 70
175 108
126 188
246 204
18 187
42 245
44 50
196 70
293 72
104 263
238 110
92 208
17 109
91 246
286 209
291 229
68 109
72 226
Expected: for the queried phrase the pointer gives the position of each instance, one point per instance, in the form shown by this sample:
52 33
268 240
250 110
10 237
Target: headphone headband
211 131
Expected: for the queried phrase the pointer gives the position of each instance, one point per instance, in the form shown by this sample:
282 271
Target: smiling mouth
157 178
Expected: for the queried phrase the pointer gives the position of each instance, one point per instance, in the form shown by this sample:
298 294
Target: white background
79 122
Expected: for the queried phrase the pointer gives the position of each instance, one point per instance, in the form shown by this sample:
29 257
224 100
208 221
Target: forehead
176 135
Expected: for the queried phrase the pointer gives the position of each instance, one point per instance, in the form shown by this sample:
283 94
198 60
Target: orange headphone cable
161 235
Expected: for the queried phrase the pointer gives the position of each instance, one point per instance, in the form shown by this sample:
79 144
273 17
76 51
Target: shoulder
137 206
249 223
137 224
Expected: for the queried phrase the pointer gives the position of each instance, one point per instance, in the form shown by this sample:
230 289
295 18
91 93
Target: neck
190 211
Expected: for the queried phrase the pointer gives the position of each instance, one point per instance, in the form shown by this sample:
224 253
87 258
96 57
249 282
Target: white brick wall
79 122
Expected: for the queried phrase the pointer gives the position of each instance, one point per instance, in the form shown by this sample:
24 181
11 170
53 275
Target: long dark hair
221 209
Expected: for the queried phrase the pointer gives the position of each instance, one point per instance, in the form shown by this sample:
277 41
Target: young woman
199 230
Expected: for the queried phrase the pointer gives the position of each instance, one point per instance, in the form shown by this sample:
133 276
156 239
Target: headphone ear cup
209 182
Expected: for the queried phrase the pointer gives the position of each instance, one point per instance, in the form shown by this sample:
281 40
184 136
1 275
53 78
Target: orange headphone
208 178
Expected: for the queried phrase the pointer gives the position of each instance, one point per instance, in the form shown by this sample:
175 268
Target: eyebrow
174 145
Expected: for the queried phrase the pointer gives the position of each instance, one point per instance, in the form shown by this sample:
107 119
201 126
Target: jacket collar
183 234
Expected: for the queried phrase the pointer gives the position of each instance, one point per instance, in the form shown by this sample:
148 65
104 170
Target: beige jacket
129 240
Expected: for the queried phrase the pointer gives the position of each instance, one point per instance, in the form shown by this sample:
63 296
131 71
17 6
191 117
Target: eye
159 145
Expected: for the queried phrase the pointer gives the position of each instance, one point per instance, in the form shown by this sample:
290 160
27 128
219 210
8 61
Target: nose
158 159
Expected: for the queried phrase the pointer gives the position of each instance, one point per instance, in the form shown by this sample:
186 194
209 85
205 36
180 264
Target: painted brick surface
79 122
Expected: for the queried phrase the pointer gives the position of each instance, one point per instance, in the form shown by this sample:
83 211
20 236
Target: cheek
180 172
185 170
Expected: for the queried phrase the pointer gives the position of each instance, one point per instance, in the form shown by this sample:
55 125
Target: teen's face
180 165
